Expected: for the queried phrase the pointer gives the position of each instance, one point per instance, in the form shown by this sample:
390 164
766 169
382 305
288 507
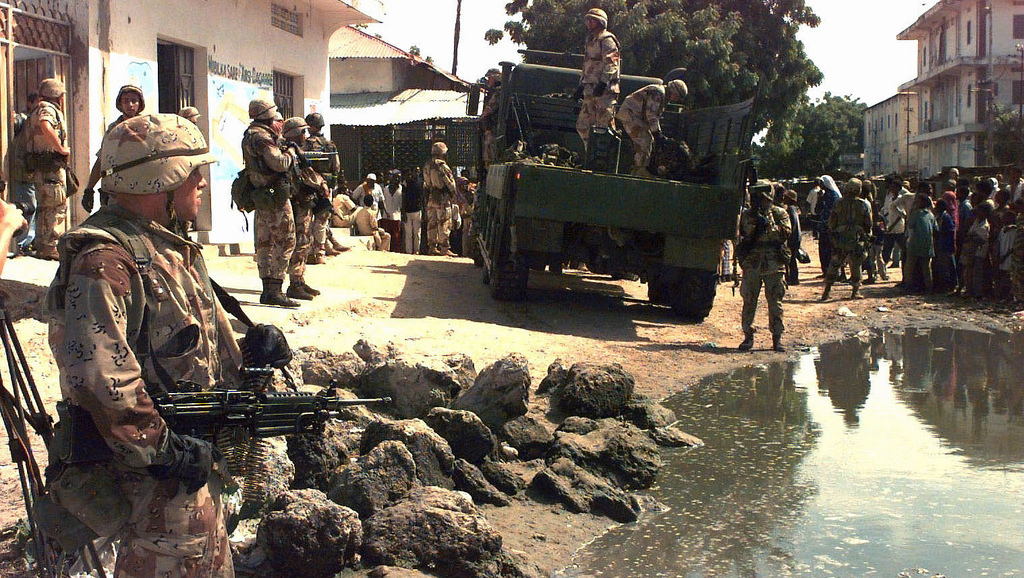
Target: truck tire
509 277
693 293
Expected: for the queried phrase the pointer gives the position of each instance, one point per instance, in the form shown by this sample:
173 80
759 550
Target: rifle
211 414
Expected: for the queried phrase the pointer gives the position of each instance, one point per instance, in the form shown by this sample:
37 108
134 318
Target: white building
215 55
968 59
889 128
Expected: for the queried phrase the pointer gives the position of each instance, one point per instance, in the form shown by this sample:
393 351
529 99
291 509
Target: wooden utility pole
458 31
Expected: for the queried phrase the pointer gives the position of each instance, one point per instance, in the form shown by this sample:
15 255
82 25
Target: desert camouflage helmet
151 153
130 88
293 127
315 120
191 113
263 109
439 149
597 14
852 187
676 89
51 88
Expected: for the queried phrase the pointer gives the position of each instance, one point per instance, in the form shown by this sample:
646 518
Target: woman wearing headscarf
830 195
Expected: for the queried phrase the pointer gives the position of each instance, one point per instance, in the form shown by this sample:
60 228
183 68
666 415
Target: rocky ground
426 307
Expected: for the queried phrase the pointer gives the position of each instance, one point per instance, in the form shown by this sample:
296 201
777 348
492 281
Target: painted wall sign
241 73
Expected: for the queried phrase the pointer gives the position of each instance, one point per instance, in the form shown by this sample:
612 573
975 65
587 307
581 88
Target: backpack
242 191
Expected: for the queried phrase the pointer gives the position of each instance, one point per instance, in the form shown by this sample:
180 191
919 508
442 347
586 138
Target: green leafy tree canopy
811 143
730 48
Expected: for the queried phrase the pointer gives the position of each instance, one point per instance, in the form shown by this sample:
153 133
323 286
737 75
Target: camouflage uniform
317 143
51 183
439 185
275 226
1017 262
639 116
849 226
600 65
120 330
763 263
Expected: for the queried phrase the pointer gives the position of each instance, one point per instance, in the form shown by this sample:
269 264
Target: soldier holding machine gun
323 156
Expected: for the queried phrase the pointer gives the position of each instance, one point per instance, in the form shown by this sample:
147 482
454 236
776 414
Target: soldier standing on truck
599 80
489 115
763 255
439 186
640 117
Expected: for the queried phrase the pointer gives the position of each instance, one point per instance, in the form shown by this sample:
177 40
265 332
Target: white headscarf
830 184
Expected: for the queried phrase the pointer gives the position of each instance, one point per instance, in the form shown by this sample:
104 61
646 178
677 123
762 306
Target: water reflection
880 454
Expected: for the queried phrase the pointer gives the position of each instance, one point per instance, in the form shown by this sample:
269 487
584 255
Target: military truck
669 233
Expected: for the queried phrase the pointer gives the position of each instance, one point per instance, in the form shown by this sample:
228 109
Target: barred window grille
285 19
284 93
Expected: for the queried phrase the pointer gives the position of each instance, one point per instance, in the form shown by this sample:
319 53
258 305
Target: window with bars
285 19
175 69
284 93
1018 26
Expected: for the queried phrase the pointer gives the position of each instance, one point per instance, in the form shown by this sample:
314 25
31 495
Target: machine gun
251 414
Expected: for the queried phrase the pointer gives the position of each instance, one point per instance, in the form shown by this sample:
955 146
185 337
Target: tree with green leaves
811 143
1007 137
730 48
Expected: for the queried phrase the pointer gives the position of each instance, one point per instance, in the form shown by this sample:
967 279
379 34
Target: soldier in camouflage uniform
489 114
849 225
439 186
131 312
269 169
599 80
47 155
323 242
309 185
640 117
763 255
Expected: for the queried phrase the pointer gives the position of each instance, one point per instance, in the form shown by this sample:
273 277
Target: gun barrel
362 401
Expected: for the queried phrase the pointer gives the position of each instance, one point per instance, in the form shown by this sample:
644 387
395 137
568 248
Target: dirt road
433 305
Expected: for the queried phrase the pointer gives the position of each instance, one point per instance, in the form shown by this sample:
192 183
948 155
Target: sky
855 46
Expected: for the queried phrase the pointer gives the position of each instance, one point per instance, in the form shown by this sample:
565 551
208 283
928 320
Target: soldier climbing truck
666 230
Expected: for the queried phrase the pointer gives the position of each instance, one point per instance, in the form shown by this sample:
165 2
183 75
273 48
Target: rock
468 478
321 367
305 530
673 437
645 413
464 368
414 387
382 477
372 355
502 477
557 372
317 457
501 392
468 437
433 529
578 425
595 391
580 491
618 451
528 436
433 457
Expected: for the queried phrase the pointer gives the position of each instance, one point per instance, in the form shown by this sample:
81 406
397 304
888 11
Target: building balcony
956 67
930 131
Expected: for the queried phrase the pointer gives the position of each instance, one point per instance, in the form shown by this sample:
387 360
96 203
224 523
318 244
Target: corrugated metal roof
348 42
407 106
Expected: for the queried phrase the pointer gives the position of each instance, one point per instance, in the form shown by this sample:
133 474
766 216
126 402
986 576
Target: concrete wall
356 75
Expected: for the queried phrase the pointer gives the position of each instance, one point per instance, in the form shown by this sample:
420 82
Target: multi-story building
215 55
889 128
969 62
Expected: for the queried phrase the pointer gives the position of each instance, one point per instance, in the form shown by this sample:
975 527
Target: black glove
579 93
188 459
264 345
88 199
600 88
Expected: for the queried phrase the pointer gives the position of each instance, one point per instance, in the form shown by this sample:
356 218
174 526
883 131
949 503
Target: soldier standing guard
439 186
640 115
130 102
309 185
599 80
47 156
269 167
132 312
849 224
323 242
762 253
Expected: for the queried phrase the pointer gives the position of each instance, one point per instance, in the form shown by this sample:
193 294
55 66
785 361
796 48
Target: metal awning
411 105
338 13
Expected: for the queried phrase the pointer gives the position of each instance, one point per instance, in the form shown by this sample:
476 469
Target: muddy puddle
882 455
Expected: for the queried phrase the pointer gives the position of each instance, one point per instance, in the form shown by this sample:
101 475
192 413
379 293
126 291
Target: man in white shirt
369 187
895 210
391 213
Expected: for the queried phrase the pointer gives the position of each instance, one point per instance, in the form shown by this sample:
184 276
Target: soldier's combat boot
297 290
315 259
828 289
272 294
748 342
777 343
310 290
855 295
